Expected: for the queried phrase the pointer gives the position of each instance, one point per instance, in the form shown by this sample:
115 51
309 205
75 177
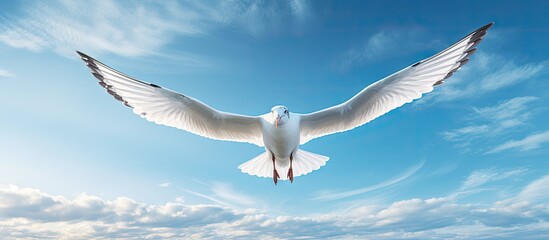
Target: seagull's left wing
391 92
173 109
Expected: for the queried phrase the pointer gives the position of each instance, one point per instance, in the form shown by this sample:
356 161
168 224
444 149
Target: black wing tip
84 56
154 85
438 82
97 75
486 27
475 38
90 63
113 93
87 59
479 33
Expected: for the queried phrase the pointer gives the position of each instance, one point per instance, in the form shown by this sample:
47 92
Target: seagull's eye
285 111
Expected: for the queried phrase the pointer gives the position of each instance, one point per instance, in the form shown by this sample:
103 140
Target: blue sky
469 160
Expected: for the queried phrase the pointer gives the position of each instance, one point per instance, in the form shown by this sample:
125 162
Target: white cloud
212 199
136 28
528 206
465 131
483 74
484 176
166 184
301 9
31 213
489 122
224 194
257 17
129 30
535 191
333 195
511 109
34 204
5 73
512 74
530 142
385 44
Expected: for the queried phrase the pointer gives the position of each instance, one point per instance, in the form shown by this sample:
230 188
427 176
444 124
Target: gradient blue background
478 144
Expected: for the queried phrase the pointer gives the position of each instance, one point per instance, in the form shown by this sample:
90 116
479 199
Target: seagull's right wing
170 108
391 92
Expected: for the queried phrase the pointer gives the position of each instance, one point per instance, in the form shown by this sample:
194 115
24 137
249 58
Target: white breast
281 141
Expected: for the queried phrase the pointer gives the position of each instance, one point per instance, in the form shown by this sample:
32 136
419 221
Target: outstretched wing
173 109
391 92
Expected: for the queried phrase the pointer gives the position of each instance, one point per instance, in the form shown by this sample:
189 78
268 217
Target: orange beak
276 121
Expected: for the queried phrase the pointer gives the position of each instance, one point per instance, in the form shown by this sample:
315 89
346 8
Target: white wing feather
391 92
170 108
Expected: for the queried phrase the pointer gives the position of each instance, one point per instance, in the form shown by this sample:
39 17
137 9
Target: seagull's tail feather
304 162
261 166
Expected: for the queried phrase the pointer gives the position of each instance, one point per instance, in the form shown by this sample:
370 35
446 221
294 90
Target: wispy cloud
301 9
333 195
384 44
225 191
224 194
32 213
213 199
5 73
166 184
527 207
485 73
460 133
481 177
504 111
530 142
124 29
488 122
136 28
535 191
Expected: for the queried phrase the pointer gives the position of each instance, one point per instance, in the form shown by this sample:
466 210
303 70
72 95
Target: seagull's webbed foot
275 176
291 171
291 175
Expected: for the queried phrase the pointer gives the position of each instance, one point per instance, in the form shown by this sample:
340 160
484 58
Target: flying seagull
280 131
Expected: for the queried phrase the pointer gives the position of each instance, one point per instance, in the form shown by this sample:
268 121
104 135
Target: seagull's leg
291 171
275 173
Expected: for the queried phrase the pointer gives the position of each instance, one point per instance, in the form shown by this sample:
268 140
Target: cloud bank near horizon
28 212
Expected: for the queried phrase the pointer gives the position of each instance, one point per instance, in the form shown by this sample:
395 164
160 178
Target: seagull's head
280 114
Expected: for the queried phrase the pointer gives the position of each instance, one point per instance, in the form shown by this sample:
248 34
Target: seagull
280 131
